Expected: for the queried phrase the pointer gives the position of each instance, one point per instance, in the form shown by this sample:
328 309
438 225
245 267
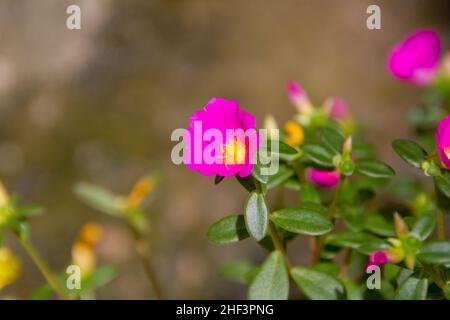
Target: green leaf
379 225
424 226
307 219
353 290
228 230
29 211
283 148
308 193
327 267
317 285
318 154
332 138
271 282
100 277
374 169
246 182
239 271
256 215
350 239
261 167
436 252
412 289
218 179
409 151
443 184
98 198
282 175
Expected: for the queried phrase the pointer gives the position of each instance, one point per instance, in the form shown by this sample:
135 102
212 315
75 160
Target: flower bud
347 166
299 98
323 178
401 229
336 108
270 124
10 267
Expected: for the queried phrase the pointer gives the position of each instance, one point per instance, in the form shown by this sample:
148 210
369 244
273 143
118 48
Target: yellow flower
10 267
83 253
294 133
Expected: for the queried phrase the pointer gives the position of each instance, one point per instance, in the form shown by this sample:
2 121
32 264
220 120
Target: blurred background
99 105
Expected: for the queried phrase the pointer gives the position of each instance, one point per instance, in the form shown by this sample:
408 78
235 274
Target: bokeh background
99 105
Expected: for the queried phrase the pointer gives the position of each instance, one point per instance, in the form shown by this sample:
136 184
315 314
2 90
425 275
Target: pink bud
323 178
298 97
337 107
377 258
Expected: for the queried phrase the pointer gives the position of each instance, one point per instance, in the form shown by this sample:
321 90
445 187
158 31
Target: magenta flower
337 107
298 97
416 58
442 136
378 258
323 178
221 140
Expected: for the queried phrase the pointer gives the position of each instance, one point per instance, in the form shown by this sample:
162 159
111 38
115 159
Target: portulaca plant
363 245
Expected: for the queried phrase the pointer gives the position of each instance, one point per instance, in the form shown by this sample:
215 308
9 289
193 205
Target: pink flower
337 108
323 178
416 58
378 258
442 136
298 97
221 140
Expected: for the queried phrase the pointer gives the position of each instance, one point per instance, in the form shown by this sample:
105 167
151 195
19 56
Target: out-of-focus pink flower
337 108
323 178
215 140
416 58
298 97
442 136
378 258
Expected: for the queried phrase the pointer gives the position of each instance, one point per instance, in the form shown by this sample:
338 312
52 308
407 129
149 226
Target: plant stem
43 268
274 234
320 240
440 224
346 262
334 201
142 250
278 245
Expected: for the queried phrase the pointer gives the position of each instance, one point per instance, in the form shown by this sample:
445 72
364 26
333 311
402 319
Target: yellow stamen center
447 152
233 152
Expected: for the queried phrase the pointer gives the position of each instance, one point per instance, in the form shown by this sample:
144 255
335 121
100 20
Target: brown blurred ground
99 104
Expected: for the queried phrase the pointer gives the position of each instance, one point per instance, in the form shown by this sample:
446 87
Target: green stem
274 233
278 245
440 224
335 199
320 240
42 266
142 250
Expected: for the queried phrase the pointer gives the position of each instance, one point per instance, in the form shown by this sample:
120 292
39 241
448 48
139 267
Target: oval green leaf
271 282
317 285
228 230
308 218
412 289
332 138
409 151
318 154
436 252
374 169
256 215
